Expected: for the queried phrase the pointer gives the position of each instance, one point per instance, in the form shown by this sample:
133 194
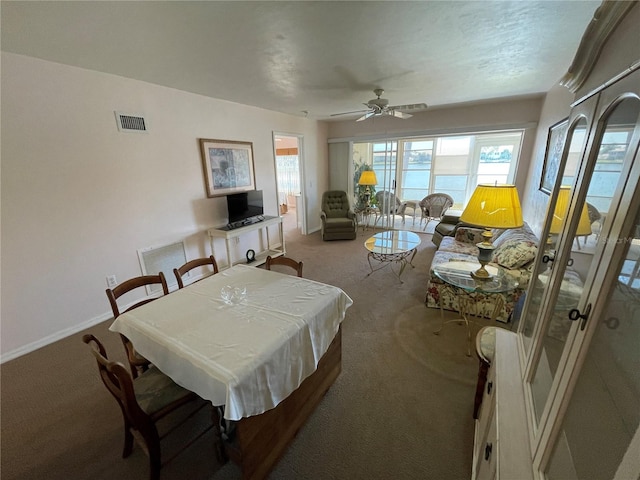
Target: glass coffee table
456 275
392 247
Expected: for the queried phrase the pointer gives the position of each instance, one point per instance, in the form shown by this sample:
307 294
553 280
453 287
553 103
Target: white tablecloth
248 356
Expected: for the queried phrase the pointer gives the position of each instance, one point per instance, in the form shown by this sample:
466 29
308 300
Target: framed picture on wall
553 154
227 166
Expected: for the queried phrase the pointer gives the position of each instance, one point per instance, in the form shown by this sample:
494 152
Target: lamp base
481 274
367 197
485 252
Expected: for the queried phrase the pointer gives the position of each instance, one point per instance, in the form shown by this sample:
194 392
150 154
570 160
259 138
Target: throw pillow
515 253
469 235
523 233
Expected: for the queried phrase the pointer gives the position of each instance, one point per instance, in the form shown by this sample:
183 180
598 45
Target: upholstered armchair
338 219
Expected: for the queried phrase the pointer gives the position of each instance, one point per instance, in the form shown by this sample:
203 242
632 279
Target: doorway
289 182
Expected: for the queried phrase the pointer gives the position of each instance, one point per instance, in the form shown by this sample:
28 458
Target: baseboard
66 332
54 337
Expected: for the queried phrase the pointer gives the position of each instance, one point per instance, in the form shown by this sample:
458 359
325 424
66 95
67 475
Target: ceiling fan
380 106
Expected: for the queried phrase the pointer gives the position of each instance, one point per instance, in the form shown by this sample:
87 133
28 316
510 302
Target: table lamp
560 212
491 206
367 178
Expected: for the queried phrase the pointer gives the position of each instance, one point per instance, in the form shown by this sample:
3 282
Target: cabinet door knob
487 451
575 314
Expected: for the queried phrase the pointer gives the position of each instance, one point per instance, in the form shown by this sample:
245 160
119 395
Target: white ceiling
318 57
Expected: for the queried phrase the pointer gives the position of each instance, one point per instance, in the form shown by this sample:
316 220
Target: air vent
131 123
162 259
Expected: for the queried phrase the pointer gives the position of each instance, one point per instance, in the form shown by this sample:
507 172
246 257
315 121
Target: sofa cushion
515 253
339 223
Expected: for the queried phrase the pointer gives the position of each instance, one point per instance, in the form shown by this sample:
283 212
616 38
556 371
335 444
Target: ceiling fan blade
365 116
401 115
413 107
348 113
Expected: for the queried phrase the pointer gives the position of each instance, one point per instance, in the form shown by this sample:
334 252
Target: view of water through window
413 168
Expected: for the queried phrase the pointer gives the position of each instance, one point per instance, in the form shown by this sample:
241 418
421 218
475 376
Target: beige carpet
401 409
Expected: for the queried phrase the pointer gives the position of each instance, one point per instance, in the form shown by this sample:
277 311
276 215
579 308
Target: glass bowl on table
233 295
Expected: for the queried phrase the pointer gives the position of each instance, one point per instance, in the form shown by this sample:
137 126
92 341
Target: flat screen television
245 207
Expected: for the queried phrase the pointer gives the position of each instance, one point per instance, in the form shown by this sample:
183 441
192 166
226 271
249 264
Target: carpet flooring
401 408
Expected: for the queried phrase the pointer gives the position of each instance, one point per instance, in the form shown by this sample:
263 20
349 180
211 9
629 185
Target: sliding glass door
385 164
413 168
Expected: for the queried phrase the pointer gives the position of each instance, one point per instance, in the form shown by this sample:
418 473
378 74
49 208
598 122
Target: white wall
557 106
79 198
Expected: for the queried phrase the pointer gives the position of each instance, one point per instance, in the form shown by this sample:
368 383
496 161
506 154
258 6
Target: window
416 167
452 167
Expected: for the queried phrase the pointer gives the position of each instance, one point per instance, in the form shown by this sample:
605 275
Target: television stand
245 222
229 232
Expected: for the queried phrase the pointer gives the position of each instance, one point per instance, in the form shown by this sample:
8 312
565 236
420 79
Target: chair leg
128 440
153 446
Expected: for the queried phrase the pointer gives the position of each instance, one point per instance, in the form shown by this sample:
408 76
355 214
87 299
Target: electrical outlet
111 281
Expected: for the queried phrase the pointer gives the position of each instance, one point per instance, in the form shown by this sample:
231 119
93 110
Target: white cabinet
570 378
575 370
581 374
501 446
264 246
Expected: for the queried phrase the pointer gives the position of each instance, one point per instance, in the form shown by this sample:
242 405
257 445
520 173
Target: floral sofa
515 250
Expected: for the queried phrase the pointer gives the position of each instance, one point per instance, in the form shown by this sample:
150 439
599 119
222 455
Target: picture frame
553 154
227 166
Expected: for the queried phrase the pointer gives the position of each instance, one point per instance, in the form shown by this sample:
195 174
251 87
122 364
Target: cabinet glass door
579 237
597 437
598 398
576 139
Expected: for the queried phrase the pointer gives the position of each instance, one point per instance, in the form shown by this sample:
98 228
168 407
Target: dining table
264 345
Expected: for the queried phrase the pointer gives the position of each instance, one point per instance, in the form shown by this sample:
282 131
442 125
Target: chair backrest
190 265
335 203
143 403
281 260
136 361
131 284
436 204
594 214
388 201
116 378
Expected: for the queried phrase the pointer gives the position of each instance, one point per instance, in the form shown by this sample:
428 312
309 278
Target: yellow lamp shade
368 177
494 206
560 212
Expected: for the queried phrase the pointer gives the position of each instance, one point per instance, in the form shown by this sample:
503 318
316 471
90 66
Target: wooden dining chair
198 262
145 400
286 261
137 362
